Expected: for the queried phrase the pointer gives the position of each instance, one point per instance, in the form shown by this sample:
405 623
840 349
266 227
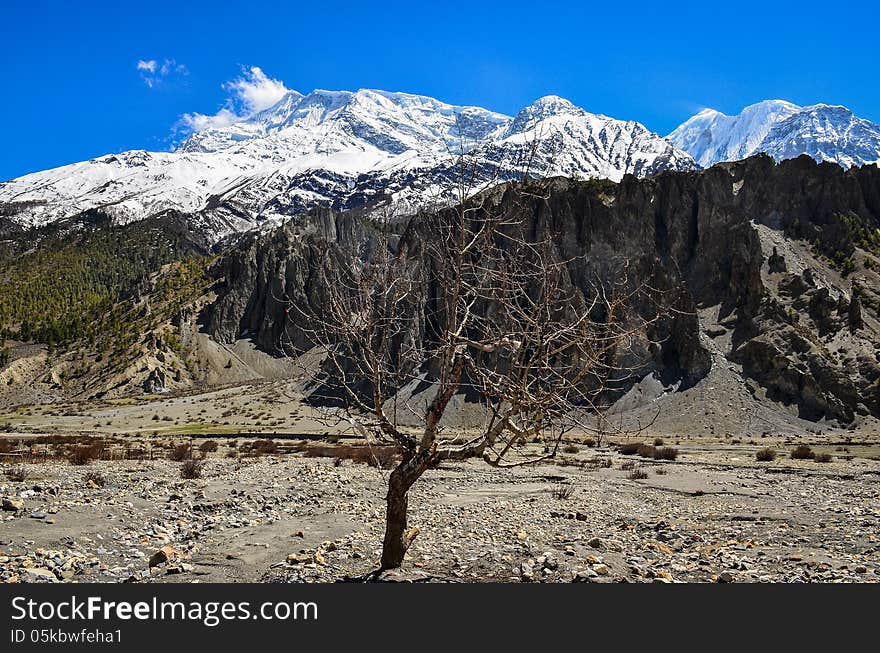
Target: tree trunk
397 537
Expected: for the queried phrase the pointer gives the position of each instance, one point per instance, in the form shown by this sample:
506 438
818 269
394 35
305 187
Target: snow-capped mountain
783 130
343 149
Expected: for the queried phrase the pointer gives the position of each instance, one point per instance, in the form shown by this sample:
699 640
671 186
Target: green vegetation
67 286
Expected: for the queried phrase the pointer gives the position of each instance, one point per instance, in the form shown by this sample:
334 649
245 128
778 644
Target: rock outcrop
777 248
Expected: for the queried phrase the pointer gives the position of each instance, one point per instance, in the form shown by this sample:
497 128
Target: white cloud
197 122
255 91
250 93
154 72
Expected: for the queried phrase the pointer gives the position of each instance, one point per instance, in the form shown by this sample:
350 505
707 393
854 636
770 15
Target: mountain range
398 152
784 131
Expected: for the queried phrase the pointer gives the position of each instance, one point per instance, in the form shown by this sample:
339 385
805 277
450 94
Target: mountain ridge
339 148
784 130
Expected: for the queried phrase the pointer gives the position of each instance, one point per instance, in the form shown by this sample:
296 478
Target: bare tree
473 299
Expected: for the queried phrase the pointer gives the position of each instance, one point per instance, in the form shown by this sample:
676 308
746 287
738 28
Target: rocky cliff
774 265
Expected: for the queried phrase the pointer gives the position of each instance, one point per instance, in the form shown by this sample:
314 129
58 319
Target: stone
595 543
39 575
163 555
602 569
13 505
585 576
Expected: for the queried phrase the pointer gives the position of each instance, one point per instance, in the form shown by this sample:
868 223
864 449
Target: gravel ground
713 515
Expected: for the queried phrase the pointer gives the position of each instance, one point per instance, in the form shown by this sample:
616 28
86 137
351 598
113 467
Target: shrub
264 447
823 457
646 451
208 446
628 465
629 448
570 447
16 474
765 455
666 453
96 478
638 474
382 457
590 442
84 454
802 452
180 452
6 445
190 469
658 442
562 491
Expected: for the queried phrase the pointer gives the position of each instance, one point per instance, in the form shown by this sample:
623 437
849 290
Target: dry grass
562 491
191 469
83 454
665 453
180 452
630 448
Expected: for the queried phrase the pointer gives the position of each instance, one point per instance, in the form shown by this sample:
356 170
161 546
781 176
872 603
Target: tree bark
397 536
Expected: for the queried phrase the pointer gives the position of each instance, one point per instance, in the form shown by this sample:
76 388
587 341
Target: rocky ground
714 514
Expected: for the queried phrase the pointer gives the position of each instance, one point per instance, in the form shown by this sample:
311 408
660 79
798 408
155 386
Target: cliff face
771 264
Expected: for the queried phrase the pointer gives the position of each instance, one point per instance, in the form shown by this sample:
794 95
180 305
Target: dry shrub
628 465
570 447
208 446
83 454
264 447
658 442
383 457
590 442
6 445
638 475
190 469
17 473
665 453
95 477
630 448
802 452
765 455
823 457
180 452
562 491
646 451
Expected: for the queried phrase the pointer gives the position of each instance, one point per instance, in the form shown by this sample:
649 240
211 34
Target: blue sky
72 88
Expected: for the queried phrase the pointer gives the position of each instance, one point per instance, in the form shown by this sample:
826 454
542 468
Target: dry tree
473 300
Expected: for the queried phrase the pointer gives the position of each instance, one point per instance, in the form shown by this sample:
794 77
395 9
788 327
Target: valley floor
714 514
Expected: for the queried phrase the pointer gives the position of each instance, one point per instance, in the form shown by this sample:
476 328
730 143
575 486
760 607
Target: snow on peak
712 136
341 149
783 130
